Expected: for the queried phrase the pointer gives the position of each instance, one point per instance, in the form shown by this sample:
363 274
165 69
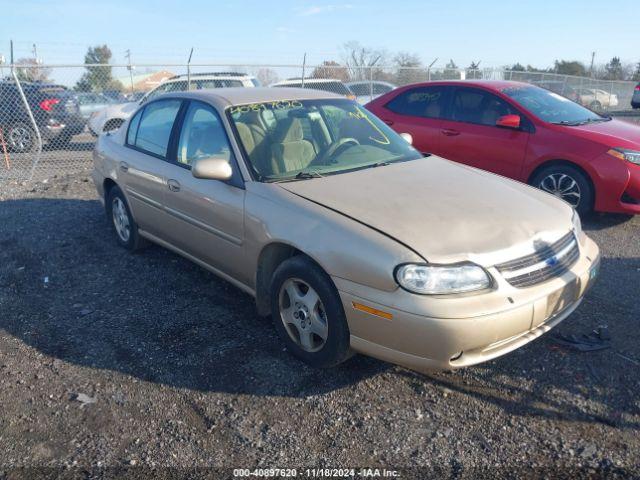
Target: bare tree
29 70
409 68
331 69
362 61
267 76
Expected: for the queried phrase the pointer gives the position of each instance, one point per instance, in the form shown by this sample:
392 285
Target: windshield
297 139
552 107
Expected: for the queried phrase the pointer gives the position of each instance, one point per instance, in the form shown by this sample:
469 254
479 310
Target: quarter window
429 102
154 127
202 135
471 105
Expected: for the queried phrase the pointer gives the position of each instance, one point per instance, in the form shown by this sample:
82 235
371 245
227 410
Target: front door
470 135
205 217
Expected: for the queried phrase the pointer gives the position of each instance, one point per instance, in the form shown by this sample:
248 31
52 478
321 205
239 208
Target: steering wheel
333 150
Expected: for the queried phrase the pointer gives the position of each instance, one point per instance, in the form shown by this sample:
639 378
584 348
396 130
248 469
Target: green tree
614 69
636 73
98 77
517 67
473 71
570 67
451 71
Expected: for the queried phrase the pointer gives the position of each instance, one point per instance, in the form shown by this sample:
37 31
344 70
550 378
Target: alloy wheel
303 315
20 138
120 219
563 186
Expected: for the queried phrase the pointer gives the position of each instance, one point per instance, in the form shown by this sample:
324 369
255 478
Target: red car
526 133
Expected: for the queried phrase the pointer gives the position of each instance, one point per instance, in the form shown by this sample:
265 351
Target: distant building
145 81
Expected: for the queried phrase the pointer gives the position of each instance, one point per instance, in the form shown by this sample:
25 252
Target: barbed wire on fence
51 115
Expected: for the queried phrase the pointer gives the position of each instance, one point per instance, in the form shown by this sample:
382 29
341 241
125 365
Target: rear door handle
173 185
449 132
388 122
124 166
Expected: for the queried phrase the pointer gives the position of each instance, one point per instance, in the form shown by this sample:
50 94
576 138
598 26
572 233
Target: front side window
552 107
297 139
471 105
202 135
154 127
429 102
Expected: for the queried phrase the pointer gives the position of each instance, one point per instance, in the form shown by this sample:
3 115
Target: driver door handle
449 132
124 166
173 185
388 122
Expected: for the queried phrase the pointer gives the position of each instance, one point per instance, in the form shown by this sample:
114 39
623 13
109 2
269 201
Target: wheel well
107 185
551 163
270 258
112 124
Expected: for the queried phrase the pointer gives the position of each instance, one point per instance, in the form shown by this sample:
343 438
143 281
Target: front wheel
308 314
569 184
21 138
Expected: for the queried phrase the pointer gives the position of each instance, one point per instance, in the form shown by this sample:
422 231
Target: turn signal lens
632 156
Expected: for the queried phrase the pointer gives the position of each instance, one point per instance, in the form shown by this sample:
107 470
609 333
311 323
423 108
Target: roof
224 97
490 84
295 81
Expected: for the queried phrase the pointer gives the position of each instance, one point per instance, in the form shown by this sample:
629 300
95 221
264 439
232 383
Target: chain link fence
51 115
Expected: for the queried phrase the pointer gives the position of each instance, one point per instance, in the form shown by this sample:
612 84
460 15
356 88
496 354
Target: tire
325 316
21 138
595 105
125 227
569 179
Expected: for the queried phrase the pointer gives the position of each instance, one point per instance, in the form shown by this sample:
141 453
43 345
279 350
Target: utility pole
189 70
304 64
11 54
129 67
35 52
593 56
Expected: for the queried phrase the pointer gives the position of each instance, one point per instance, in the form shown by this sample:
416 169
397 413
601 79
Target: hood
614 133
444 211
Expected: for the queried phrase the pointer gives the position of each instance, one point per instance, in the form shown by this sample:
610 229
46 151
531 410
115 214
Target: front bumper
466 330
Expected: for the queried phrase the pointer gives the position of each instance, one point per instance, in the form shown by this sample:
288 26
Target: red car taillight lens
48 103
637 87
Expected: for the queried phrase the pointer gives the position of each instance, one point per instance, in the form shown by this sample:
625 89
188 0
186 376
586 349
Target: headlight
439 280
632 156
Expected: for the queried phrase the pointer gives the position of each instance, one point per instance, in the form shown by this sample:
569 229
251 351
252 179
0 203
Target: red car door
417 111
470 135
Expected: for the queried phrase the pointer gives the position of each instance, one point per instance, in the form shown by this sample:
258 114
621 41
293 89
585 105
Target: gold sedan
345 234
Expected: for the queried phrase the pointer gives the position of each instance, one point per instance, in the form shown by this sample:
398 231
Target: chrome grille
549 262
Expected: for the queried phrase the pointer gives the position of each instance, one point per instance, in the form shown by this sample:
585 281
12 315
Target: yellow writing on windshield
257 107
360 115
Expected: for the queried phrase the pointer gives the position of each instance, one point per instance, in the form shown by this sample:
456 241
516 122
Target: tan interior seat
291 151
253 138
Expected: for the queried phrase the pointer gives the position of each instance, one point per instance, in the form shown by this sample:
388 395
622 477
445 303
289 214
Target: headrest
289 130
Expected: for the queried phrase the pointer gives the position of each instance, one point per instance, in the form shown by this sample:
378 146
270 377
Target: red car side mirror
508 121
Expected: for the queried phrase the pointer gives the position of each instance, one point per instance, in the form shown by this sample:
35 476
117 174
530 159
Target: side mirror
407 138
212 168
508 121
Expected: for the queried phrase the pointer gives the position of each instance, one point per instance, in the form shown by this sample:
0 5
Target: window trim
141 112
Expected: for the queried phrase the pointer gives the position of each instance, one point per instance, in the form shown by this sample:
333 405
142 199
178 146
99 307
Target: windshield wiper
309 174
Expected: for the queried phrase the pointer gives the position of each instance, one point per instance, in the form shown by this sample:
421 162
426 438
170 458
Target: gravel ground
114 360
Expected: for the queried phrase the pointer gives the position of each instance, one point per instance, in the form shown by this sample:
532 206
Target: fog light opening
456 357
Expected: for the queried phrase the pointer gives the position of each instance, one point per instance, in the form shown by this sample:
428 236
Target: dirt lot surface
109 359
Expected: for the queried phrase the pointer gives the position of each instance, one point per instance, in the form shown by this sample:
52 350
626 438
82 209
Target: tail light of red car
48 103
637 87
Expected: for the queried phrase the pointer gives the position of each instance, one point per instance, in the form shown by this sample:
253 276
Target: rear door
205 218
142 168
469 135
418 111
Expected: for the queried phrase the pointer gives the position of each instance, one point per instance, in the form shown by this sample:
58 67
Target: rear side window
471 105
153 129
428 102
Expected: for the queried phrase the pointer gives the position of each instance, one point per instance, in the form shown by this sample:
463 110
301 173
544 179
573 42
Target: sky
224 32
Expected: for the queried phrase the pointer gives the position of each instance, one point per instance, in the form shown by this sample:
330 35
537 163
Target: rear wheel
308 314
568 183
120 216
595 105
